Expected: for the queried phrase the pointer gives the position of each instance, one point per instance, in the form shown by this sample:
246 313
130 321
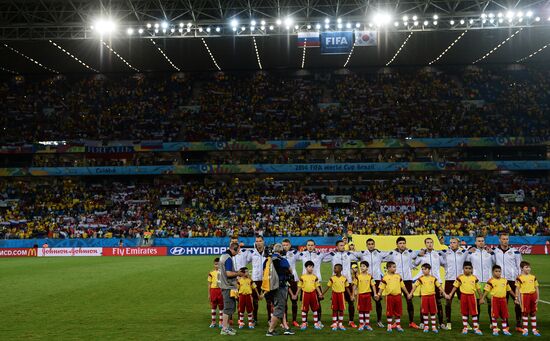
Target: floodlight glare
104 26
382 19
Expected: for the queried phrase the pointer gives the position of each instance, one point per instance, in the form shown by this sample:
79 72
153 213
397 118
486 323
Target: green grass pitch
159 298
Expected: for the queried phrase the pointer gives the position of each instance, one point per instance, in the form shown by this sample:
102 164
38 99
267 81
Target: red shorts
245 303
216 299
338 301
499 307
529 303
364 303
468 304
427 305
394 306
310 301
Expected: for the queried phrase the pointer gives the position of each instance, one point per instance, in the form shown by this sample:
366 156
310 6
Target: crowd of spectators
446 205
252 106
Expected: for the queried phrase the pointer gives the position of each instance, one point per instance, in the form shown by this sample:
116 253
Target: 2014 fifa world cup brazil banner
281 168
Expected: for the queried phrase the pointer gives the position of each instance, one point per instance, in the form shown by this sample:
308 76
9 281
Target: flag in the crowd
308 39
366 38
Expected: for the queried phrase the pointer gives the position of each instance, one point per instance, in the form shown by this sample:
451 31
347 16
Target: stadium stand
400 104
447 205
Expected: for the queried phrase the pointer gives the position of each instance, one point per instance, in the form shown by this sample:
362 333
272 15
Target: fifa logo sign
337 41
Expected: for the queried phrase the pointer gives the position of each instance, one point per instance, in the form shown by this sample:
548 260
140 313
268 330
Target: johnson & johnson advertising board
70 252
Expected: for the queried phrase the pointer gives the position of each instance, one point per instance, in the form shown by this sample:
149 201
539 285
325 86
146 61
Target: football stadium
312 170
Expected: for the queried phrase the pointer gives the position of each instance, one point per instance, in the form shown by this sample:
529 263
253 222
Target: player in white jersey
432 257
452 260
375 258
291 257
241 258
482 258
344 258
257 257
403 259
509 258
310 254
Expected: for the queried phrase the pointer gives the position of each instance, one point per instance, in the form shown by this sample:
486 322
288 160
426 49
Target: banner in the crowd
171 201
397 208
70 252
388 243
336 42
8 203
135 251
281 168
517 196
75 147
196 250
109 149
366 38
338 199
308 39
19 252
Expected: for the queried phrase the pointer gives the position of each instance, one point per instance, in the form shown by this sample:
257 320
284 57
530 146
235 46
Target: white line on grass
546 302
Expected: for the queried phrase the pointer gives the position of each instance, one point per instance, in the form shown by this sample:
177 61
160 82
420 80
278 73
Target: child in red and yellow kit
392 285
310 287
428 284
215 294
497 287
468 284
365 288
246 286
339 285
527 294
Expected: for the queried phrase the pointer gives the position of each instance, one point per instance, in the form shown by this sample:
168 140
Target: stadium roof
41 36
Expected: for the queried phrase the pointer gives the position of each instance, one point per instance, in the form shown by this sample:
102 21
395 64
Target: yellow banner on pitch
387 243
